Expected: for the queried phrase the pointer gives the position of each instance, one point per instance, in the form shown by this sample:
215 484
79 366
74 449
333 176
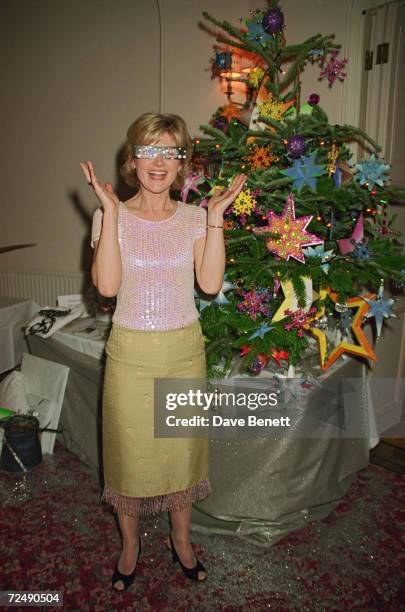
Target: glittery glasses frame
152 151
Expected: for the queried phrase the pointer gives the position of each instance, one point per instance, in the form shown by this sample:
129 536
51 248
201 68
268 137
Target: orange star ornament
363 349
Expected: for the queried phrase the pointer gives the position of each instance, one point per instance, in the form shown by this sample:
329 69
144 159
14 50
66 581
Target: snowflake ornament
300 319
244 203
270 109
255 302
230 111
334 69
261 157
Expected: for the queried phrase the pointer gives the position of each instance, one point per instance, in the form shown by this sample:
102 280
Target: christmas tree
310 242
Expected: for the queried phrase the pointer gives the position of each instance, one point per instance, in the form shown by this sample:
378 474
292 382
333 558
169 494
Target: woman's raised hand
104 191
220 201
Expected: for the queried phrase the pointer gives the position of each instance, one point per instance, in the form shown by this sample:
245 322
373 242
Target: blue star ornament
259 333
371 173
380 309
204 303
305 172
220 298
319 251
257 33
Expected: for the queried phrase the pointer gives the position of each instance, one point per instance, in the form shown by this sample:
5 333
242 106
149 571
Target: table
80 419
14 314
263 488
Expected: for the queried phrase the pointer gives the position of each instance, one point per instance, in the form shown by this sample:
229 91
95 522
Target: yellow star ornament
315 331
290 301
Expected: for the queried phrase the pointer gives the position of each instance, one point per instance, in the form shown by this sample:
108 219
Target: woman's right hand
104 191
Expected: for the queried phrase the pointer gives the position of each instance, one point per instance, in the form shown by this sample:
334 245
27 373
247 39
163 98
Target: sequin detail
157 290
144 506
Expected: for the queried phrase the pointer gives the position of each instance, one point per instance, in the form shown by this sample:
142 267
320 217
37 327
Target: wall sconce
228 66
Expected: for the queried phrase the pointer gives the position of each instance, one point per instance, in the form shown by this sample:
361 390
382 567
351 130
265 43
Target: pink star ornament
347 245
191 183
292 234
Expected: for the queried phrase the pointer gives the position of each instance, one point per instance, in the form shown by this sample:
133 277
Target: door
382 116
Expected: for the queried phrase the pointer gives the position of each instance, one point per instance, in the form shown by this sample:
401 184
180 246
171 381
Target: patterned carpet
55 535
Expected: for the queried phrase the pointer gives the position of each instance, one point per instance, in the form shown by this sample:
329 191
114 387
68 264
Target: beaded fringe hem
144 506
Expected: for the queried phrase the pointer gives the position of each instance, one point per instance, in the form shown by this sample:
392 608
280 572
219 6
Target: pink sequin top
157 288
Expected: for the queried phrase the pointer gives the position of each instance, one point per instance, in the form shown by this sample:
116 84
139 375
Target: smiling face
158 174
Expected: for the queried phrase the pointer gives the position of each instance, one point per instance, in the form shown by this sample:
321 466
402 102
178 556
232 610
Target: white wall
75 74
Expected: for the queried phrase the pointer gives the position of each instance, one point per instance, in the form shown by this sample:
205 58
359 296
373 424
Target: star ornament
257 33
220 298
305 172
191 183
363 348
292 234
261 331
290 301
347 245
380 309
280 356
324 256
372 172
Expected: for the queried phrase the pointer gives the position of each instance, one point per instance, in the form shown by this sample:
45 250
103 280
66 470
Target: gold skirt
137 465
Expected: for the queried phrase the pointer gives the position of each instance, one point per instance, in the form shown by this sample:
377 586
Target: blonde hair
147 129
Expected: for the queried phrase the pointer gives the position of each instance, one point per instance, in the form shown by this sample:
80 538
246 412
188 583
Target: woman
146 251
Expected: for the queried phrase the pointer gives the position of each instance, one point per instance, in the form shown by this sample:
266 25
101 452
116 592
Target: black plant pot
21 444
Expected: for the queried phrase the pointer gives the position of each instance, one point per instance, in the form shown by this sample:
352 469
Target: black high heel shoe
127 579
189 572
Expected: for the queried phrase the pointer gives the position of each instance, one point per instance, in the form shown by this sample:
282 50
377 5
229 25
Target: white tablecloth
90 343
14 314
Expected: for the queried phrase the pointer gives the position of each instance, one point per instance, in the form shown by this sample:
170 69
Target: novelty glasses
152 151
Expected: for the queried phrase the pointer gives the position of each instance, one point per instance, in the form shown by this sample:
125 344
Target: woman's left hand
220 201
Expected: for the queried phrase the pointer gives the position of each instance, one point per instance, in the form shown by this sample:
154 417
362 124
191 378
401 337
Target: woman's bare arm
209 251
106 270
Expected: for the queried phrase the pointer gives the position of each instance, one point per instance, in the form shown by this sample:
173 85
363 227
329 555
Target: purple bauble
258 364
221 124
296 146
313 99
273 21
